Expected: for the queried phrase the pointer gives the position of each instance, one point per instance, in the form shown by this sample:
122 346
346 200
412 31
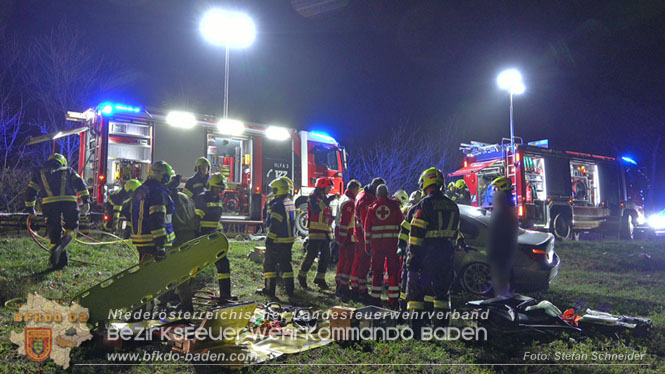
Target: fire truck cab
122 141
563 192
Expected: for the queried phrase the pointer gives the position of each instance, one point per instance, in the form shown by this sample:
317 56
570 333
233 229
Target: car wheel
301 220
475 278
560 227
627 229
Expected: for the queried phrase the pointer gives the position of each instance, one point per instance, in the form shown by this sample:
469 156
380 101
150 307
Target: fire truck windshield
326 155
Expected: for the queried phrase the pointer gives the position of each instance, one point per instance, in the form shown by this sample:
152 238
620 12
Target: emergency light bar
322 137
109 108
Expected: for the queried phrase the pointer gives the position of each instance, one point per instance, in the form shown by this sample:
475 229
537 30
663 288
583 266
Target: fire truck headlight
183 120
277 133
657 221
641 220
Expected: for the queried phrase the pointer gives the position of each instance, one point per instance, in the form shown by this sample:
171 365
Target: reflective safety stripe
55 199
406 225
441 234
277 216
34 186
159 232
318 235
272 235
429 299
221 276
386 235
344 227
287 275
46 186
403 237
419 223
442 304
285 240
117 208
170 237
402 295
375 288
188 193
85 193
197 185
416 241
417 305
319 226
29 203
200 213
210 224
270 274
219 204
158 209
385 227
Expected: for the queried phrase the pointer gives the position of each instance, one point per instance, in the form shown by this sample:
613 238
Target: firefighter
403 198
431 250
361 257
198 182
58 184
503 231
209 210
462 192
345 222
451 191
319 224
117 201
151 213
280 238
381 229
414 198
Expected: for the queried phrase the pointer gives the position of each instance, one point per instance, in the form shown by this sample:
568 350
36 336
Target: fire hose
36 237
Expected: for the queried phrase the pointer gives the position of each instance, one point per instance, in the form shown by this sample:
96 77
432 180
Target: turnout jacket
55 185
346 219
152 212
319 215
196 184
382 223
434 224
209 209
281 220
116 201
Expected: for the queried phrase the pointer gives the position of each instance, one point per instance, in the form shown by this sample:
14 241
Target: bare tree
408 149
64 74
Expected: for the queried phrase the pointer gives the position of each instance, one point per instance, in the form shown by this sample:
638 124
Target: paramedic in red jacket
382 225
361 258
344 225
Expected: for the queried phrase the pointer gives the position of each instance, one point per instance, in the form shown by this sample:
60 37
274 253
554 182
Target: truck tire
301 220
627 227
560 227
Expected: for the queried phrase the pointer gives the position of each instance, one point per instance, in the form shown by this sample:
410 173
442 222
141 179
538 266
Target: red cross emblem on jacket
382 223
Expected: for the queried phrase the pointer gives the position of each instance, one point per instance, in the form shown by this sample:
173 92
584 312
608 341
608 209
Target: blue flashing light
629 160
322 137
109 108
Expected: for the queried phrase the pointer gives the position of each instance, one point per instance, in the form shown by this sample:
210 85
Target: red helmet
323 182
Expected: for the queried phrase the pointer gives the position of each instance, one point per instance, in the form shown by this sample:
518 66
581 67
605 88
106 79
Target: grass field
600 275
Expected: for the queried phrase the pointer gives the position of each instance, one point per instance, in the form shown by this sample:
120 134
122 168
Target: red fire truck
563 192
118 142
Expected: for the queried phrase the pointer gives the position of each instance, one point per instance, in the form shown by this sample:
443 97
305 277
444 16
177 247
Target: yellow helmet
289 182
202 161
402 196
58 158
451 185
431 176
502 184
281 186
132 184
161 171
217 180
460 184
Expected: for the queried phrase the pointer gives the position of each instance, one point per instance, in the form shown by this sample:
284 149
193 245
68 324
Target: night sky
594 71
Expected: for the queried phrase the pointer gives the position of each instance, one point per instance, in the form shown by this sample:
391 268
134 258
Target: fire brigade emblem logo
383 213
38 343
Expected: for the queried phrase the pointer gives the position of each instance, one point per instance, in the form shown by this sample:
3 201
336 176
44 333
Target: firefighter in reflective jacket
344 225
152 210
57 185
209 209
463 196
280 238
382 224
362 254
117 201
198 182
319 224
431 250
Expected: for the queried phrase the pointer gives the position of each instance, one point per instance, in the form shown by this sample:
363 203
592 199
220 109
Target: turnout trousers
278 258
381 257
320 248
361 263
345 265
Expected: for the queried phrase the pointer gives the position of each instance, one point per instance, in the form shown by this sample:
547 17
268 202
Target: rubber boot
323 286
288 286
58 261
416 323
